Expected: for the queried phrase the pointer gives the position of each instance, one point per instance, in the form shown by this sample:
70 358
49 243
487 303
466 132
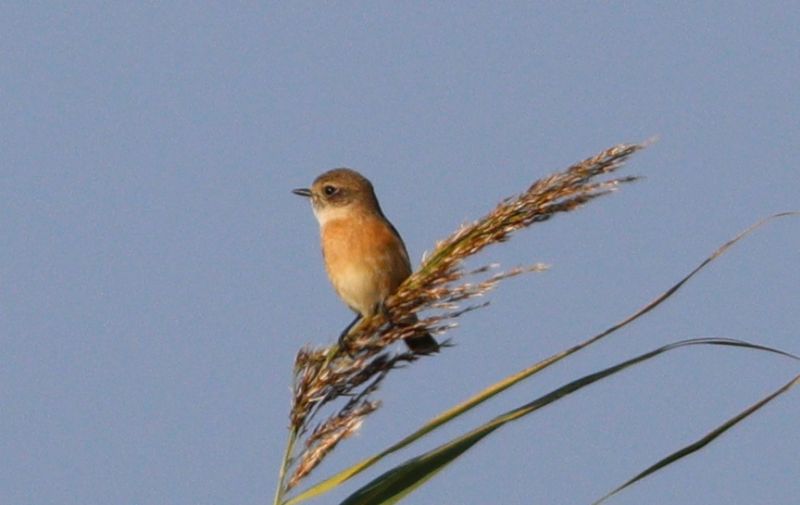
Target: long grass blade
398 482
704 441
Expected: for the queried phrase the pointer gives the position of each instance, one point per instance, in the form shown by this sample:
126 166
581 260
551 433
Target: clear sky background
157 276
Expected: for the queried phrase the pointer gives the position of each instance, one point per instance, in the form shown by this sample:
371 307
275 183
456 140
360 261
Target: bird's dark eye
330 190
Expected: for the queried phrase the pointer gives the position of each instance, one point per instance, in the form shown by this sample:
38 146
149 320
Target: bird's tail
422 344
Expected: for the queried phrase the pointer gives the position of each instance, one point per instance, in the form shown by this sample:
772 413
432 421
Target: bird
365 257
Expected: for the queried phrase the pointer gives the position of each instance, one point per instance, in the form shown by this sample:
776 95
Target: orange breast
366 261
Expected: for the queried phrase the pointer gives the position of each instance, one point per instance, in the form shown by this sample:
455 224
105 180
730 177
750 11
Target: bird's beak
302 192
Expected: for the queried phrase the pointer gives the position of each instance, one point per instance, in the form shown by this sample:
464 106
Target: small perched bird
365 257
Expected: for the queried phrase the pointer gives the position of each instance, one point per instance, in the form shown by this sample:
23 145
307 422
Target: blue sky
157 276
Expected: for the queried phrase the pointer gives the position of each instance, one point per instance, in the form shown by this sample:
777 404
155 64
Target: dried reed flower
327 435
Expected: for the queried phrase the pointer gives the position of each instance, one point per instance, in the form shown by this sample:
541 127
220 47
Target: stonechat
365 257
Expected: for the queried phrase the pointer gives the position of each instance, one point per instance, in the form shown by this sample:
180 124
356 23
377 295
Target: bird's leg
380 308
346 331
